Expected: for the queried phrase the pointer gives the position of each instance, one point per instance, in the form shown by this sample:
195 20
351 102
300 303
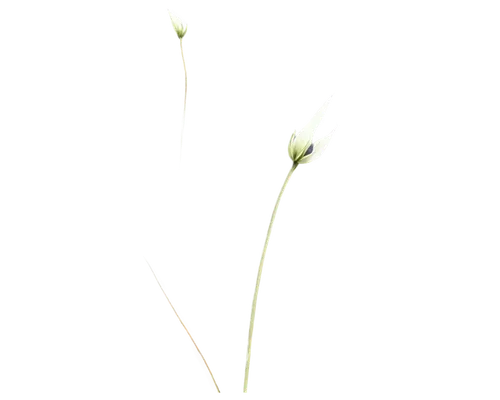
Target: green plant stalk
185 96
259 281
202 358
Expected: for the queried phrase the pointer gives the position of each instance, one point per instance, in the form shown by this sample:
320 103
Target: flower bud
316 149
179 27
302 148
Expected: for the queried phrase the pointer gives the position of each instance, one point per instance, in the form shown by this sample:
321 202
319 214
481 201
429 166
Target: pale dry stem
202 358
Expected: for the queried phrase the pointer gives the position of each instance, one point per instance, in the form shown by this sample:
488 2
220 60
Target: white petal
304 137
302 142
318 148
289 144
291 151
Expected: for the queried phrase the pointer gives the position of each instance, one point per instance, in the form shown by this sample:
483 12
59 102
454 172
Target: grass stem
185 96
259 281
201 357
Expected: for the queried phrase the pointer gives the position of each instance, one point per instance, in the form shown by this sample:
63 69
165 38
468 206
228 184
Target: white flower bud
179 27
317 149
301 148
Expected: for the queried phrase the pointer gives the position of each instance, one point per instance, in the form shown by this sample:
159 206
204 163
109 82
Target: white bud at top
301 148
179 27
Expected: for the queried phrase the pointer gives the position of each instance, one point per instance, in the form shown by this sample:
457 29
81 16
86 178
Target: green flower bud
301 148
179 27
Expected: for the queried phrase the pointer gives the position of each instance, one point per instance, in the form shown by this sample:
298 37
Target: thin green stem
185 96
259 281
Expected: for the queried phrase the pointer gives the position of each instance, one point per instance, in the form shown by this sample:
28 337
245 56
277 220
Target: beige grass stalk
259 281
185 95
202 358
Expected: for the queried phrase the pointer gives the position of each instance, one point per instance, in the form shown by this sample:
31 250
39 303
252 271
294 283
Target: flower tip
178 24
301 148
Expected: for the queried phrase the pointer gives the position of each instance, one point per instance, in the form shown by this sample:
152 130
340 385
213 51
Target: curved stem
202 358
259 281
185 96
